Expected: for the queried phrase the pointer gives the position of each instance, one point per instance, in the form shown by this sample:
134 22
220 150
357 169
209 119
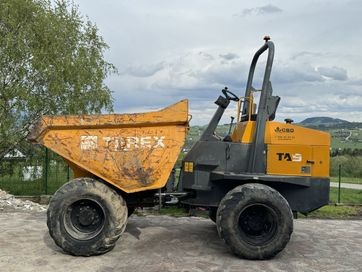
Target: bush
351 166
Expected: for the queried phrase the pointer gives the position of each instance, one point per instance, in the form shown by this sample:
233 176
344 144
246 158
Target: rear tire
86 217
255 221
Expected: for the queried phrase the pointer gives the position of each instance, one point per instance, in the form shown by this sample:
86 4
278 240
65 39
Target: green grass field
348 196
16 185
346 138
31 188
335 212
338 143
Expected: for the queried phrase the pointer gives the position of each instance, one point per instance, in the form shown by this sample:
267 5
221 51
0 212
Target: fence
345 189
39 172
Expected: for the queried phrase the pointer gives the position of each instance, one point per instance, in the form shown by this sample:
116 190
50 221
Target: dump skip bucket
134 152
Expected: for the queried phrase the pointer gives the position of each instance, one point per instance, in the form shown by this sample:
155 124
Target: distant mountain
323 121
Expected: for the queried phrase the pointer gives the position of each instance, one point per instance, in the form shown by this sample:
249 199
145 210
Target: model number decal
297 157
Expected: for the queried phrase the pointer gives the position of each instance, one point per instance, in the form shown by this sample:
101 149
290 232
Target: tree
51 62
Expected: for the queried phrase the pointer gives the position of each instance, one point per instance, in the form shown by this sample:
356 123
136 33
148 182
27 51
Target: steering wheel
233 96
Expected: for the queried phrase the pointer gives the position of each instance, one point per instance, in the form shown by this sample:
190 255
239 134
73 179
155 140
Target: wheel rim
257 224
84 219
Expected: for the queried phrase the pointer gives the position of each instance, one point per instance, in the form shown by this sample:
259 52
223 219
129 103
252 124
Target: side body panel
291 149
218 167
296 159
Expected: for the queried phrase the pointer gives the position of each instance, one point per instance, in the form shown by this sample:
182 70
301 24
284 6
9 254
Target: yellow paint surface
312 146
320 168
243 132
289 160
134 152
281 133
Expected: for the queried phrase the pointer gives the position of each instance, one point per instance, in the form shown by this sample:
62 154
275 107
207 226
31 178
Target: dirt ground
162 243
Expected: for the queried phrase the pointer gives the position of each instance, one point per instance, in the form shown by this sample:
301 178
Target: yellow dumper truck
251 181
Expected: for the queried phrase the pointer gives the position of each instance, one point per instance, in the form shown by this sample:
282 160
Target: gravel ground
163 243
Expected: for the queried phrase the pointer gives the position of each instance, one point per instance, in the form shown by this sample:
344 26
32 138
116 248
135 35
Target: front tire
86 217
255 221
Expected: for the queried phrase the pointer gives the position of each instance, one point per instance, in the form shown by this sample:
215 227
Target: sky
166 51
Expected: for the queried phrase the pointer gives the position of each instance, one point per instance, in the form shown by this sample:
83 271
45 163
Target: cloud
200 74
293 73
326 98
192 70
143 70
229 56
336 73
309 54
262 10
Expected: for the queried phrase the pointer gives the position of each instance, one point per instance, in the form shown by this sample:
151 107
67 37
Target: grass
348 196
14 184
335 212
339 143
171 211
31 188
19 187
174 211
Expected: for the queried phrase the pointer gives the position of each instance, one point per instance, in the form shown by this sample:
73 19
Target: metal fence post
46 166
339 183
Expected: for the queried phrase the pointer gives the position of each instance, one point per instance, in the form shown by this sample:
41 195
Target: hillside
323 121
328 123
